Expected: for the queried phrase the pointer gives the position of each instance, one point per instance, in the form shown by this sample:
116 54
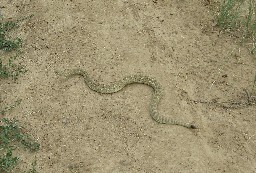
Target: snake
116 86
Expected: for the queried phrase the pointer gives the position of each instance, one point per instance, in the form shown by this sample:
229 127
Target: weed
11 136
6 44
229 14
250 25
11 69
239 16
4 72
11 133
8 162
33 169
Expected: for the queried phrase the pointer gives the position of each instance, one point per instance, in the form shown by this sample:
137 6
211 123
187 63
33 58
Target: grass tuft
5 43
8 162
11 136
239 16
11 69
229 14
33 169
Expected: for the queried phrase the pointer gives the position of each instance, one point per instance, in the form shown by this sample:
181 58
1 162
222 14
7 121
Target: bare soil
207 77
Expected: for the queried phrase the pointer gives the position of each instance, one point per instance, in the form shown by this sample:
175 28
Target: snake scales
140 79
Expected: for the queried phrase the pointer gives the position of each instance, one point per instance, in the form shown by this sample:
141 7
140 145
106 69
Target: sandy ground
202 70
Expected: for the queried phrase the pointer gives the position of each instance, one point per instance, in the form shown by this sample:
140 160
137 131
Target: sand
202 70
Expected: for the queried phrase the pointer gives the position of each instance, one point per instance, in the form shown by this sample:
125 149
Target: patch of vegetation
228 17
11 69
8 162
33 169
239 16
12 136
5 43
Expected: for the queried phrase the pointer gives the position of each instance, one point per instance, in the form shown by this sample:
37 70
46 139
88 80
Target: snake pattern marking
139 79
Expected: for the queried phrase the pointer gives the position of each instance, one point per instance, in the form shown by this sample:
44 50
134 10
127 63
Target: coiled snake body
140 79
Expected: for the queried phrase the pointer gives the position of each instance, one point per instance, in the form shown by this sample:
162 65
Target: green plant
11 133
229 14
11 136
5 43
8 162
11 69
250 25
33 169
239 16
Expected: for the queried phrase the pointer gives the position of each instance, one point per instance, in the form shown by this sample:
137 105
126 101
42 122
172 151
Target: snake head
192 126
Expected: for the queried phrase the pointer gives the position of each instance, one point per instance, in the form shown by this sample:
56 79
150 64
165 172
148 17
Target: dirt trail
174 41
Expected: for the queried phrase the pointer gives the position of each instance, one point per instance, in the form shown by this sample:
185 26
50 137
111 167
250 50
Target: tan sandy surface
176 42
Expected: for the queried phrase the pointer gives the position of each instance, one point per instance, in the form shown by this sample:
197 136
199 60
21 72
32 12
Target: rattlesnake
119 85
